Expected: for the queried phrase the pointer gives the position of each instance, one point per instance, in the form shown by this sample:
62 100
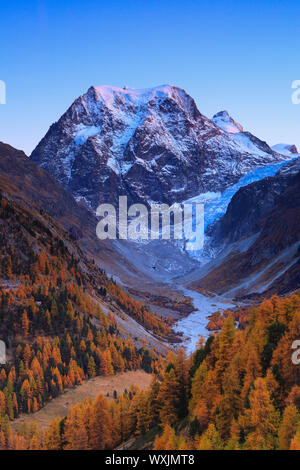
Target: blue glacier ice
215 204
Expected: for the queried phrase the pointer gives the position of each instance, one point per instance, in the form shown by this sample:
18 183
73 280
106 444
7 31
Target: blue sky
237 55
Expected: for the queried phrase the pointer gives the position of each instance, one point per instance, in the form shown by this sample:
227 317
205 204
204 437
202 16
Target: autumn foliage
239 390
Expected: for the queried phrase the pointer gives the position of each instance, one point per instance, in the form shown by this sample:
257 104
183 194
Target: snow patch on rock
225 122
285 149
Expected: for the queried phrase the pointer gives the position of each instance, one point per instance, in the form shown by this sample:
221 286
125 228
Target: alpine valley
77 311
154 145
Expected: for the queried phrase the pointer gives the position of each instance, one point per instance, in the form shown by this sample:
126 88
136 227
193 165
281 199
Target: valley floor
194 325
59 406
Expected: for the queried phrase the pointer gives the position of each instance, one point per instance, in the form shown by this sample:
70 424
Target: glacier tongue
215 204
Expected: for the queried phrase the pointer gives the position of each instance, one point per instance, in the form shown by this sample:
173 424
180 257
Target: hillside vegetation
239 390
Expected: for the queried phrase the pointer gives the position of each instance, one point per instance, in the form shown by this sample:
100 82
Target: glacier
215 204
84 132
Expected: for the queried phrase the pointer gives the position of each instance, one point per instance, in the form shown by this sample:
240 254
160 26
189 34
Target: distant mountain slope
150 144
34 186
29 183
285 149
51 209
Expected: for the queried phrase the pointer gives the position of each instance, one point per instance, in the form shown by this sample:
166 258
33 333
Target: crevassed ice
215 204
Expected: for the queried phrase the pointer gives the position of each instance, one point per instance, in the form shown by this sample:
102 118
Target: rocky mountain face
262 228
150 144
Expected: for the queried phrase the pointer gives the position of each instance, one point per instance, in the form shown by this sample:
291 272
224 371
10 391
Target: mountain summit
226 123
151 144
285 149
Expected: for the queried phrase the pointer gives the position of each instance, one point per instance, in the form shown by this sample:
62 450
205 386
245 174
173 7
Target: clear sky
241 56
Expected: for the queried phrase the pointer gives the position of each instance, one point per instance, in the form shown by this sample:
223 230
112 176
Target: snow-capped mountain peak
225 122
285 149
150 144
109 94
129 99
